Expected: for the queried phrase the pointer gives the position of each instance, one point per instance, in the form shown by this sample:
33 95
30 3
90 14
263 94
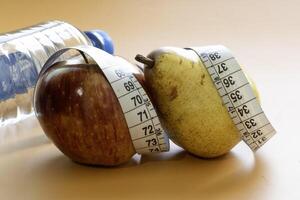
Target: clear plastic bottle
24 52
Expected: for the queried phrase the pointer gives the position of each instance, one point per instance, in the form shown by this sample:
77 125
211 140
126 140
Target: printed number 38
214 56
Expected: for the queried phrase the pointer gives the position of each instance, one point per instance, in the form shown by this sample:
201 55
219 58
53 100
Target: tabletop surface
265 38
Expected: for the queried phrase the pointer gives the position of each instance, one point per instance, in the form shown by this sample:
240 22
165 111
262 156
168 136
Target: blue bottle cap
101 40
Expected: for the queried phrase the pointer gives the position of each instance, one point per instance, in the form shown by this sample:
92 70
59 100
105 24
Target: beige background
265 37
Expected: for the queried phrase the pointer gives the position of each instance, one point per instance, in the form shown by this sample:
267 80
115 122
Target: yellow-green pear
188 103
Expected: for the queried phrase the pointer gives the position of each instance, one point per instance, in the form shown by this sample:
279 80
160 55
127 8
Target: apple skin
80 113
189 106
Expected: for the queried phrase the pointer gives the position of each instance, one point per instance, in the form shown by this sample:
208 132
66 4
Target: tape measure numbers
144 126
237 95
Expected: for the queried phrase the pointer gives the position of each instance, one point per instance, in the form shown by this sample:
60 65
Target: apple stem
146 61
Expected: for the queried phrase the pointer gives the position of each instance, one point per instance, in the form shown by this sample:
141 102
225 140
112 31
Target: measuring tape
145 129
237 95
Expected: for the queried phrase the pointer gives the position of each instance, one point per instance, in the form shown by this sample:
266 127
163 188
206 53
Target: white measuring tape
237 95
145 129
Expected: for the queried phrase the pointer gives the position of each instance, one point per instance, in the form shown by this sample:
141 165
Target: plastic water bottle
24 52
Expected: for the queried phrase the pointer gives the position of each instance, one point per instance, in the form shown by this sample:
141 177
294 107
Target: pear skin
188 103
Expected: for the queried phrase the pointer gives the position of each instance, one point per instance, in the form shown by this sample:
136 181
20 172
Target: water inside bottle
22 55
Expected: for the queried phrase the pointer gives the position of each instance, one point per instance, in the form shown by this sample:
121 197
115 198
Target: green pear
188 103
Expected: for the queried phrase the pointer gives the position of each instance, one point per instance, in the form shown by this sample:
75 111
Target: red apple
80 113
